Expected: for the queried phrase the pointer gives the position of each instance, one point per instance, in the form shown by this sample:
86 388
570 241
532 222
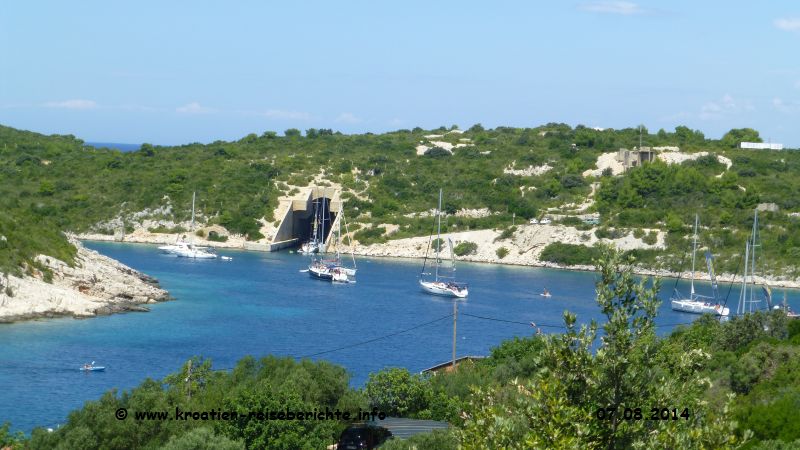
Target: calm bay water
260 304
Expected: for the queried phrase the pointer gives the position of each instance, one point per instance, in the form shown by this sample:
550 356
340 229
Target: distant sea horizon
115 145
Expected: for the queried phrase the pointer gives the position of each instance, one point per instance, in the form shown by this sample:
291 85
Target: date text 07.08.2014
638 414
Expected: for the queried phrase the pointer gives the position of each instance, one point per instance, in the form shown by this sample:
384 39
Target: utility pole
455 319
640 137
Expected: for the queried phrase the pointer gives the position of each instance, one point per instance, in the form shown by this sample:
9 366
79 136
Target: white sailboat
348 272
190 250
696 303
172 248
334 270
320 268
749 299
441 284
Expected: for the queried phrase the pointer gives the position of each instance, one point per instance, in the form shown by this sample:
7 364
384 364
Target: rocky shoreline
96 285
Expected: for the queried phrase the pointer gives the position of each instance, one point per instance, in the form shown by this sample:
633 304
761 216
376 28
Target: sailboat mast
322 241
191 231
193 197
694 251
315 239
438 232
339 230
753 246
350 237
743 296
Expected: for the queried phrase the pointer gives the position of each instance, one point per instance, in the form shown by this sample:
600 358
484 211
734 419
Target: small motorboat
92 368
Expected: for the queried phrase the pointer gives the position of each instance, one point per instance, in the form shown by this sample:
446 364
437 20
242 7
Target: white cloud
612 7
788 23
347 117
784 106
281 114
193 108
72 104
727 105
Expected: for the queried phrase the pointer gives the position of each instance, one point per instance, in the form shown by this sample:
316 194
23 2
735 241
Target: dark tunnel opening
319 213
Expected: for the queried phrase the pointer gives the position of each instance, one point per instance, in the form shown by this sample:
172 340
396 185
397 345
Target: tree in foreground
602 386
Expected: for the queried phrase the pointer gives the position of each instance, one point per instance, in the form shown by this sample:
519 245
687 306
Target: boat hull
308 249
697 307
320 273
172 249
195 253
442 289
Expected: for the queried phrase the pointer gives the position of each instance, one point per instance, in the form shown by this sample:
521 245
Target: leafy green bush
571 221
371 235
437 439
602 233
501 252
465 248
506 234
610 233
569 254
202 438
216 237
397 392
651 238
171 230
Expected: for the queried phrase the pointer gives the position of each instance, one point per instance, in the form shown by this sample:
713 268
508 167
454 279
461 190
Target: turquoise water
259 304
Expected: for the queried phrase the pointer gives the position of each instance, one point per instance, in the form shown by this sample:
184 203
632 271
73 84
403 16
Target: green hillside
52 183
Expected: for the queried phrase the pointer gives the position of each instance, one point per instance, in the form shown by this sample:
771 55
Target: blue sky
194 71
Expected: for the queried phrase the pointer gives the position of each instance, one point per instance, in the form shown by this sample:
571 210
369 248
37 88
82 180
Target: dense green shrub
502 252
216 237
370 235
466 248
650 238
569 254
397 392
169 230
506 234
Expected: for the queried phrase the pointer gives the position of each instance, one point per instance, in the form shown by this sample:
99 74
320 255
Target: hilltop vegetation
58 183
731 385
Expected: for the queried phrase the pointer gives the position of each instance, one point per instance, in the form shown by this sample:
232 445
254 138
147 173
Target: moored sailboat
696 303
332 269
189 250
749 298
441 284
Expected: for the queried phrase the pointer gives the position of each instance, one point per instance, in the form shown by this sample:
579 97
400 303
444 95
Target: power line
553 326
376 339
493 319
527 324
369 341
